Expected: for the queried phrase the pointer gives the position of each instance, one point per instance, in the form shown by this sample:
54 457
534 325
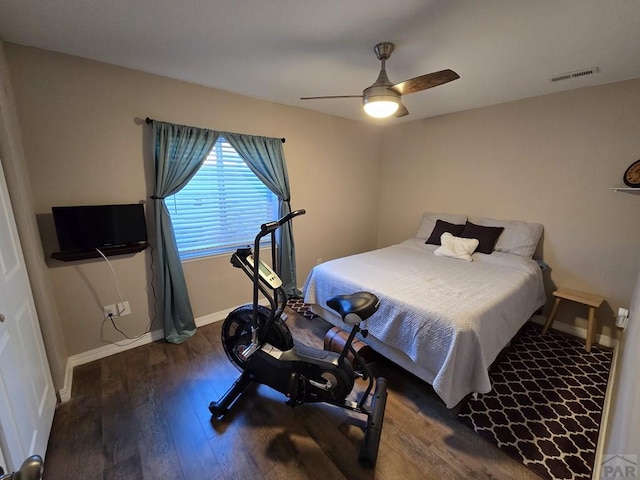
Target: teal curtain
265 157
179 152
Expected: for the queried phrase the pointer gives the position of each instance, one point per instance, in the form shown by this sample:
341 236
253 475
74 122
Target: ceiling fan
382 99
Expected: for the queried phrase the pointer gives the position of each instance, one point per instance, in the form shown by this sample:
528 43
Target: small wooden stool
588 299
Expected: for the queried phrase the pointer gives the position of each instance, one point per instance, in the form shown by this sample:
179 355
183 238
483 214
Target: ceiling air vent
579 73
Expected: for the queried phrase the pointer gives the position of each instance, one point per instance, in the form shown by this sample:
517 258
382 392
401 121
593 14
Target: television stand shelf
108 251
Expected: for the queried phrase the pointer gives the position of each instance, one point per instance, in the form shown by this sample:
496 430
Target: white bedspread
449 316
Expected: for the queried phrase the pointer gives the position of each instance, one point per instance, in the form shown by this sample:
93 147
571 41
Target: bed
443 317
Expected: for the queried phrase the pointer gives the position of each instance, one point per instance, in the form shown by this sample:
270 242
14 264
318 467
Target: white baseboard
107 350
602 436
214 317
579 332
64 394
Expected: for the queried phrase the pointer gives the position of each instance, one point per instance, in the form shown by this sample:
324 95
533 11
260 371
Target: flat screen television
87 227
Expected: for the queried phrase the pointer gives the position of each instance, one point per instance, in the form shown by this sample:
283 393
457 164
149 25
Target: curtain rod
149 121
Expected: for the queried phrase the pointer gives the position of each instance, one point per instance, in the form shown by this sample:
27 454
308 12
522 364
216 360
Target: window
222 206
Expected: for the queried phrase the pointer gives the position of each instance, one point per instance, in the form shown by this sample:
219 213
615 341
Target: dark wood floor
143 414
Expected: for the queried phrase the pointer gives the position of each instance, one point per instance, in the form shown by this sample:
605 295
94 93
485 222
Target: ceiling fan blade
424 82
402 111
331 96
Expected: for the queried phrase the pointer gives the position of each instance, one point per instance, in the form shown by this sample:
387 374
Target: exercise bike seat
355 307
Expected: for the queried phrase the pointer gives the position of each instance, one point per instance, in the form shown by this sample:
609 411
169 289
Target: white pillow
456 247
428 222
519 238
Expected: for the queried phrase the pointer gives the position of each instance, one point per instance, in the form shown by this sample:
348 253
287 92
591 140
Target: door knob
2 317
31 469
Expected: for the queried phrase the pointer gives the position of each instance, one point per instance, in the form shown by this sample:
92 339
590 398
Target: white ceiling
280 50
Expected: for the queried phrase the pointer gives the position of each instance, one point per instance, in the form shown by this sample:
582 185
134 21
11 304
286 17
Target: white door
27 397
3 465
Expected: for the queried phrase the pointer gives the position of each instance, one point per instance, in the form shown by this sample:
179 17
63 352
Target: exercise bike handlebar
267 228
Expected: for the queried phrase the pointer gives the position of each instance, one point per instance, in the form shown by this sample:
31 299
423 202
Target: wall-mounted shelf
108 251
626 189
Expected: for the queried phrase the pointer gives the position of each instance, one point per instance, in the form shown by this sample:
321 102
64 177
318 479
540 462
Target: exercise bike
259 343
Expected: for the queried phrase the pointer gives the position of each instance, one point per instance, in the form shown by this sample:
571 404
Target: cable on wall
117 283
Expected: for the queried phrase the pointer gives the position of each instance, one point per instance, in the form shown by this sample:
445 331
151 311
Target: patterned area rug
298 306
546 404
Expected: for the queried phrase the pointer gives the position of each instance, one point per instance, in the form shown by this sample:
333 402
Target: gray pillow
518 238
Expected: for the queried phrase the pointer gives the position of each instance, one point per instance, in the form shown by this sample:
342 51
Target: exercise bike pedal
297 390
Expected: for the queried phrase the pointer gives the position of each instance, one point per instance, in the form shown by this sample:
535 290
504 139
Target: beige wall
84 143
550 160
20 192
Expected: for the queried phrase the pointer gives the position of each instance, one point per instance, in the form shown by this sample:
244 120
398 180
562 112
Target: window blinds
222 206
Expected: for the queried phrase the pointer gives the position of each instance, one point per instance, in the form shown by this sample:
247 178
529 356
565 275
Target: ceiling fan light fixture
382 98
381 107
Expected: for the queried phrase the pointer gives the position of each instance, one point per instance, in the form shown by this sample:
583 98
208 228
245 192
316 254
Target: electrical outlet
124 309
110 311
117 310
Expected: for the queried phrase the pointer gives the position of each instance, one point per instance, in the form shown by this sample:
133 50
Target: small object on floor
335 339
588 299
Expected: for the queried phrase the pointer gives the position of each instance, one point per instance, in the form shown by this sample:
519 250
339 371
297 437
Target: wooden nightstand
590 300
